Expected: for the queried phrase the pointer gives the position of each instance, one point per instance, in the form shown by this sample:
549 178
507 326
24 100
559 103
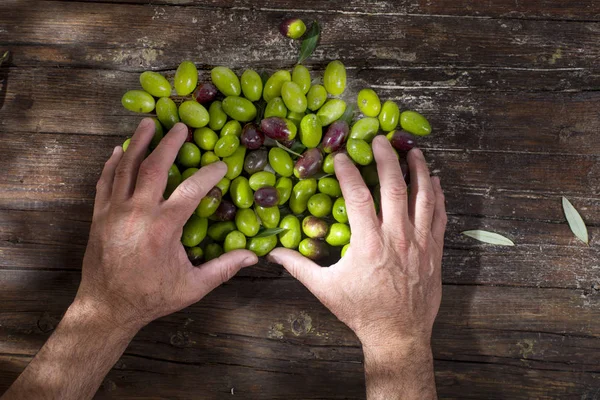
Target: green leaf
270 232
4 57
575 221
298 147
286 149
260 110
489 237
309 44
348 115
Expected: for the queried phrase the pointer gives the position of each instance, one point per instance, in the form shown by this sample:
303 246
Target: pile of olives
278 135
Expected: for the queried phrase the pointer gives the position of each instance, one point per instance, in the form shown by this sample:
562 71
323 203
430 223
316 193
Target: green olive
330 186
217 115
293 97
328 164
208 157
370 175
173 180
189 155
281 161
235 240
262 179
284 187
273 85
247 222
316 97
226 146
193 114
301 192
235 163
415 123
223 184
320 205
311 131
252 85
233 128
389 116
369 103
226 81
212 251
313 248
345 249
125 145
339 234
239 108
365 129
334 78
209 203
218 231
301 76
291 238
194 231
188 172
159 133
339 210
155 84
195 255
276 108
263 245
360 151
331 111
186 78
205 138
296 118
166 112
269 216
241 193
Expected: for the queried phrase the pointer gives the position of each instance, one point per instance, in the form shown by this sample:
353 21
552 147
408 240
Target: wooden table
511 88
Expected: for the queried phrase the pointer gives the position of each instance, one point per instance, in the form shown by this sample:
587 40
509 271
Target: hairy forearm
403 371
75 359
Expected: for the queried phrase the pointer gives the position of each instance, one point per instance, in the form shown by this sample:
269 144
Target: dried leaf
286 149
4 57
575 221
270 232
489 237
309 44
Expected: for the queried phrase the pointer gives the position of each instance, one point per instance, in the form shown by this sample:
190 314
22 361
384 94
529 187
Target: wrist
86 311
398 350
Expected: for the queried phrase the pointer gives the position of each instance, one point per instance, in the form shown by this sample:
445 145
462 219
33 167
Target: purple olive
309 164
336 136
314 227
256 161
279 128
266 196
401 140
205 92
226 211
252 137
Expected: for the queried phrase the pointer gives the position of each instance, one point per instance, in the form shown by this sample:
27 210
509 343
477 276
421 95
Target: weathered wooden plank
89 102
546 255
136 377
134 37
587 10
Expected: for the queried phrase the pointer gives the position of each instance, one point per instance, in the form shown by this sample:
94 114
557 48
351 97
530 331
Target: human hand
135 268
387 288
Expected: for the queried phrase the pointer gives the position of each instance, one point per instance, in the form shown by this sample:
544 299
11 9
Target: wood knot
180 340
301 325
47 323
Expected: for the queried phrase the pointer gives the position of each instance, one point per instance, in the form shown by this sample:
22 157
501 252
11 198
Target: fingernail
340 157
116 149
272 258
250 260
146 123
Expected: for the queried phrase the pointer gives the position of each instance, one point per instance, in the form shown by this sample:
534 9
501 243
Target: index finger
359 202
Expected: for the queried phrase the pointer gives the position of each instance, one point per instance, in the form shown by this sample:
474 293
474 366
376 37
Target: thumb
212 274
300 267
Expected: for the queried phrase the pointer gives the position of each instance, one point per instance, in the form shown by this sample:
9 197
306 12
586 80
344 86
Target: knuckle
427 199
190 191
122 171
395 192
150 171
361 197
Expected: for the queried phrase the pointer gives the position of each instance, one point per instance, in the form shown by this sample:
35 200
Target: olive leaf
261 105
298 147
309 44
286 149
575 221
489 237
4 57
348 115
270 232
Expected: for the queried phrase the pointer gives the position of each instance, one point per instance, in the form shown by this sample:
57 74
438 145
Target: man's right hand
387 288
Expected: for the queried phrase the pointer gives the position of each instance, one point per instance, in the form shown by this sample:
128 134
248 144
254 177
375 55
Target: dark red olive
336 136
205 92
266 196
252 137
309 164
